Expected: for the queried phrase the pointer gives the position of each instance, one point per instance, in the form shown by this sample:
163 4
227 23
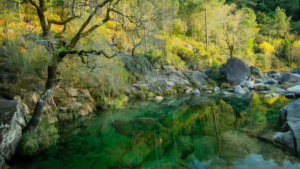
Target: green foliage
181 51
225 86
151 57
151 95
28 145
116 104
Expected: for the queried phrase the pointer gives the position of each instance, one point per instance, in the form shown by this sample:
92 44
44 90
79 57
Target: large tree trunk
49 91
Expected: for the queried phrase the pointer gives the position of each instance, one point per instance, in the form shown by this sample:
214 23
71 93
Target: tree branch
85 24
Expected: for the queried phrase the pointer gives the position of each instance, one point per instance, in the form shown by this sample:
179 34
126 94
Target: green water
179 132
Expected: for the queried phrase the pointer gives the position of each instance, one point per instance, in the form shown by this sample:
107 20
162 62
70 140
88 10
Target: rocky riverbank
233 78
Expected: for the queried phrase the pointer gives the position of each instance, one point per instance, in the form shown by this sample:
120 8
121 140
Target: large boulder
12 121
255 71
236 71
290 116
296 70
294 89
289 77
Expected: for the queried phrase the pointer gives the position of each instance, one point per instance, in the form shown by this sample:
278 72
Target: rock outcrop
290 119
236 71
12 121
167 81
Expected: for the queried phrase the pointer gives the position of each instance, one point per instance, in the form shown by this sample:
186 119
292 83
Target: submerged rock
236 71
137 126
136 156
12 120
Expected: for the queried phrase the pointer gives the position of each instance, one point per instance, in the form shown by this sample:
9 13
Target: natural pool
179 132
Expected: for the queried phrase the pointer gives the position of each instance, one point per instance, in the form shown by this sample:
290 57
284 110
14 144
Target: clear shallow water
182 132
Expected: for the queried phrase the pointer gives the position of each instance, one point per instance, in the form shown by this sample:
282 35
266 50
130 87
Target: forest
69 58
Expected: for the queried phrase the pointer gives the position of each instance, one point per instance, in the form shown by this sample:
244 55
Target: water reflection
182 132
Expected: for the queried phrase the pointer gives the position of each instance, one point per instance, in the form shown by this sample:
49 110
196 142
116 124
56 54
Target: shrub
123 98
116 104
29 144
151 95
141 95
225 85
181 51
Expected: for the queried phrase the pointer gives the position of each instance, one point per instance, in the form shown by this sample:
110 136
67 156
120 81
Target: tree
295 53
60 47
236 25
278 25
